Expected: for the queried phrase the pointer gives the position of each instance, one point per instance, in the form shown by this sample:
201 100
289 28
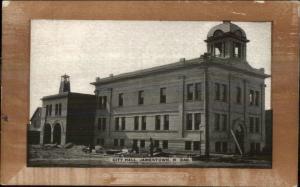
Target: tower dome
226 28
227 40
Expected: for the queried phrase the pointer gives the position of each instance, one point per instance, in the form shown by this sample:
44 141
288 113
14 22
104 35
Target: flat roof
62 95
231 63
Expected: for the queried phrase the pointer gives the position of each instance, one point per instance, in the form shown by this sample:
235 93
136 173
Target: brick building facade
211 104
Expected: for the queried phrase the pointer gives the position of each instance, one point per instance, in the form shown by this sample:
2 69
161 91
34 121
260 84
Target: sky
86 49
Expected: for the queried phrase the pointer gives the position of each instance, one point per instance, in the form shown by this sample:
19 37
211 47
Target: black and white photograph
150 94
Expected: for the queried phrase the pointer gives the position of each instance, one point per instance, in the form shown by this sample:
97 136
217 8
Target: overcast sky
89 49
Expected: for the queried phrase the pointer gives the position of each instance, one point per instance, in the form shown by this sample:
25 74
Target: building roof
227 28
37 110
204 61
62 95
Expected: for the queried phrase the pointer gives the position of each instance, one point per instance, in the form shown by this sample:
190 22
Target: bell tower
65 84
227 40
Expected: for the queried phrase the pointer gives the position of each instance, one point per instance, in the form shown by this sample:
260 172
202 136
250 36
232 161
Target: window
143 122
189 122
121 99
237 50
257 147
117 124
166 122
47 110
162 95
257 98
56 109
224 92
197 117
190 92
196 145
115 142
136 123
142 143
217 122
218 49
224 147
102 102
157 122
188 145
198 91
102 141
238 95
103 124
165 144
252 147
224 122
156 143
122 142
218 147
99 123
251 97
251 121
141 97
59 109
134 142
50 110
257 125
217 91
123 123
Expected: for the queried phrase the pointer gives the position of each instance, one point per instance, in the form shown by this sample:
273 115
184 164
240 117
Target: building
35 127
269 131
211 104
67 116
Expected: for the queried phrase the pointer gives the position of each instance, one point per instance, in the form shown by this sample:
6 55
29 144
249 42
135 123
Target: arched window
218 33
238 33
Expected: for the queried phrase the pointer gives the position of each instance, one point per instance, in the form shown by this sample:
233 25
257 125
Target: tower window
237 51
218 49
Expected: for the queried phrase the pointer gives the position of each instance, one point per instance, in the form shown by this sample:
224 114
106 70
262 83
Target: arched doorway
240 135
57 134
47 134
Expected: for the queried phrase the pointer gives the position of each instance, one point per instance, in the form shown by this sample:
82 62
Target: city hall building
211 104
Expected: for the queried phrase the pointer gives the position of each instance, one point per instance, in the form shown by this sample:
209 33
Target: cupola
65 84
227 40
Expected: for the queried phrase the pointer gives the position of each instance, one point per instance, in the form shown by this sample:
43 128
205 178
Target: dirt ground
53 156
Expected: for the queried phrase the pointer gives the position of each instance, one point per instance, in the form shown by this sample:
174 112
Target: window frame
163 95
157 122
121 100
166 122
141 97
